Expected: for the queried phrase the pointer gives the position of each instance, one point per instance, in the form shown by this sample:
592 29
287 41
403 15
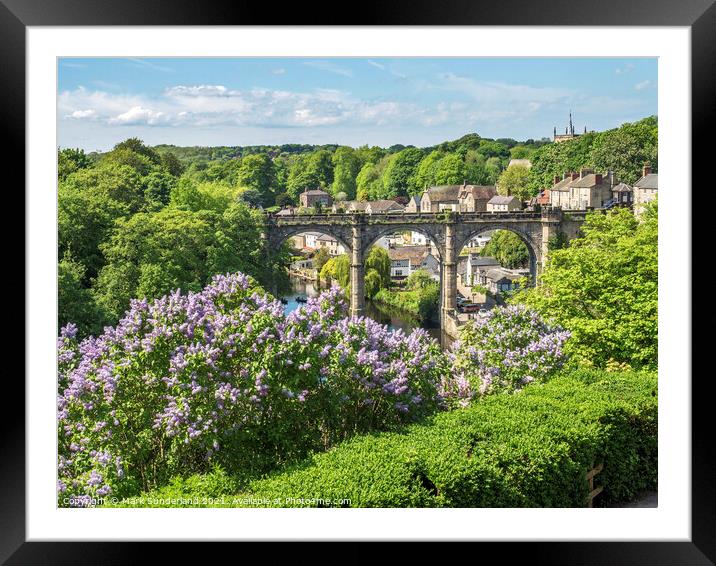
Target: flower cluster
223 375
504 351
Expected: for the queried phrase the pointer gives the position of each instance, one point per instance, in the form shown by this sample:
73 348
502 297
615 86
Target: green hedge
530 449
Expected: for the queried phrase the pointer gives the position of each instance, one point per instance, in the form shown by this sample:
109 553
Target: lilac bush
223 376
507 349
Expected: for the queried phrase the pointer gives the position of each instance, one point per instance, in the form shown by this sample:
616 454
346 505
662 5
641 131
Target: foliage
321 258
626 149
419 279
508 249
604 289
257 173
193 196
514 181
422 303
505 350
75 302
223 376
346 165
398 172
528 450
70 160
378 261
623 150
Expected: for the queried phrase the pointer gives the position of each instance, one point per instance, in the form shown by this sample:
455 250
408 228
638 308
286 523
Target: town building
413 204
645 189
330 244
500 203
498 279
383 207
310 198
406 259
458 198
474 198
437 199
579 191
476 264
622 194
569 133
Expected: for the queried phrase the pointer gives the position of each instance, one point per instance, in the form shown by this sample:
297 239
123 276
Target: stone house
474 198
579 191
475 265
500 203
622 194
383 207
413 204
444 197
310 198
498 279
406 259
645 189
329 243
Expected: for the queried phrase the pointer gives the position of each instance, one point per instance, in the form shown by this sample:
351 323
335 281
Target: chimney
647 170
574 175
556 179
610 176
584 171
598 179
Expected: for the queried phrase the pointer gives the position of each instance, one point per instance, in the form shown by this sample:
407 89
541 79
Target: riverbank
421 303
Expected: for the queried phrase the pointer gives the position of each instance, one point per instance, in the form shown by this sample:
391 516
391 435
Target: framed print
391 280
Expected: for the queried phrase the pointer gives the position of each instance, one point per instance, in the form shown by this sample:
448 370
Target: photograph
357 282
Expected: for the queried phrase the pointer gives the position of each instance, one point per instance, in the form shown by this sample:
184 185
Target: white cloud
642 85
79 114
279 72
138 115
628 68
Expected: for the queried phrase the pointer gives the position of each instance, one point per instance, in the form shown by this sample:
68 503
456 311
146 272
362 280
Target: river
384 315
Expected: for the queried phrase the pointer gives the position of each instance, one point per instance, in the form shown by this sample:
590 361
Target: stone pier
357 279
449 276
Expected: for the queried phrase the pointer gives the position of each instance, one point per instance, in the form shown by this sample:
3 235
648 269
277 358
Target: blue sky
350 101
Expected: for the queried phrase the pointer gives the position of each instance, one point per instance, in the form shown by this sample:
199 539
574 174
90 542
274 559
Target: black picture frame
699 15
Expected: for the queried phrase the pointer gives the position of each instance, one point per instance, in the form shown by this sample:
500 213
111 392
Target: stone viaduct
448 230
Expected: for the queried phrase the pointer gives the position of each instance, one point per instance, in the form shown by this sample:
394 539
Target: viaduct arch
448 230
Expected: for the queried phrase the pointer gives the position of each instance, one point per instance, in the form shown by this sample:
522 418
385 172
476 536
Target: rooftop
650 181
499 199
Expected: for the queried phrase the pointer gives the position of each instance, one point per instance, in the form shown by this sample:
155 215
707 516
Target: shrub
505 350
223 376
526 450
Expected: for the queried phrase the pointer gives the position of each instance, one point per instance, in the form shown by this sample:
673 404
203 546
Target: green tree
346 166
450 170
368 182
85 219
603 287
257 173
216 196
135 145
515 181
378 260
426 172
321 258
626 149
75 302
508 249
400 169
171 163
71 160
151 254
